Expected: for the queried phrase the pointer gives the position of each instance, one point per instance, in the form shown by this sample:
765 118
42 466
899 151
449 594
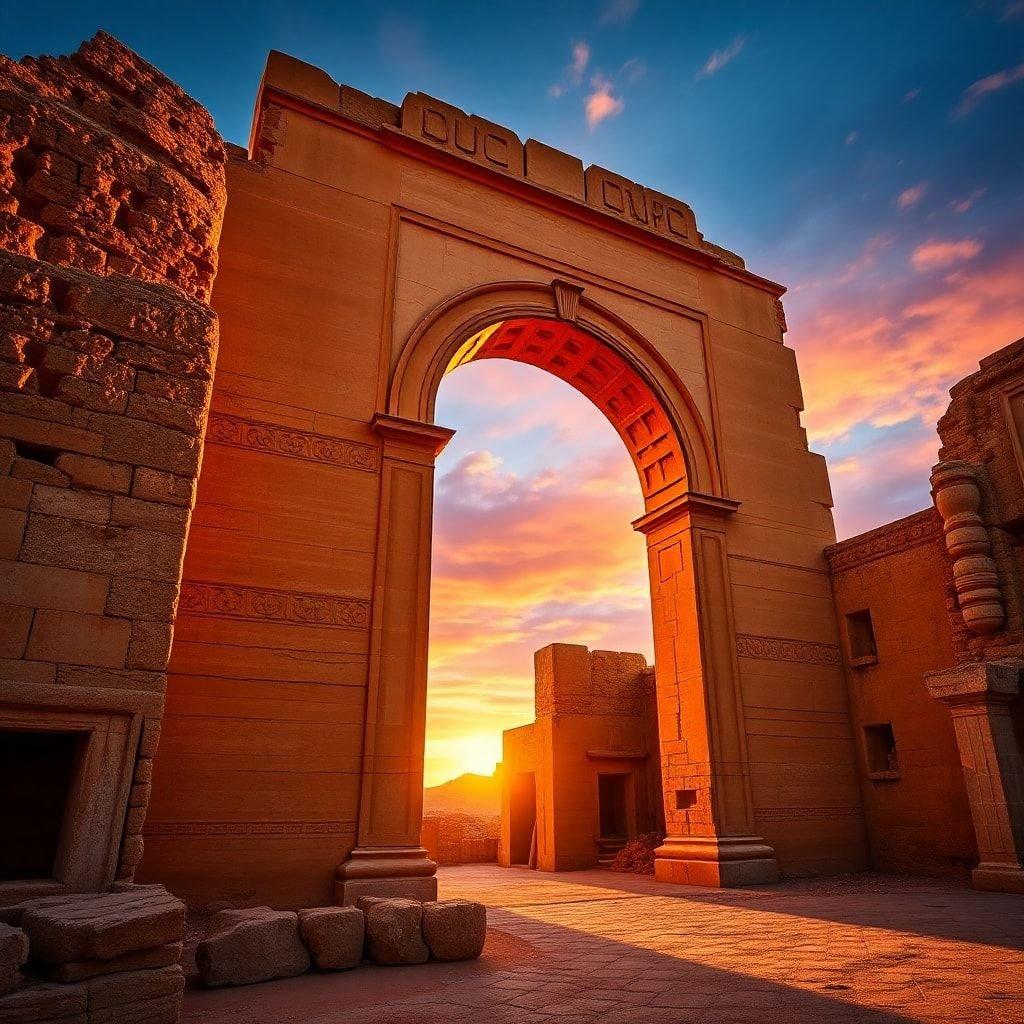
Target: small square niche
860 635
880 752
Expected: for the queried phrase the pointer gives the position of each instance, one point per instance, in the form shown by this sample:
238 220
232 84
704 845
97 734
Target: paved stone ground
598 948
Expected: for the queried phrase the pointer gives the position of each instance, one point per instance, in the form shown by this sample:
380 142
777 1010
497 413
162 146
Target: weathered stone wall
983 428
111 198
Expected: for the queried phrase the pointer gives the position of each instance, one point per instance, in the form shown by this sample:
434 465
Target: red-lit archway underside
597 371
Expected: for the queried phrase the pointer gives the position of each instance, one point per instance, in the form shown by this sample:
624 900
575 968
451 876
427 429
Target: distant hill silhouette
469 793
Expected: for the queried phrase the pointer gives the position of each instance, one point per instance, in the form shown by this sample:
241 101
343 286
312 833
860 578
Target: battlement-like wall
111 198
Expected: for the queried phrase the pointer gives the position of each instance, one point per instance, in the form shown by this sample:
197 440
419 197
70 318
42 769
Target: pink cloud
963 205
618 12
910 197
720 58
601 103
574 72
936 254
976 92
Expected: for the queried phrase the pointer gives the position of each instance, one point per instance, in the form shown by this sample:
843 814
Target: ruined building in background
814 715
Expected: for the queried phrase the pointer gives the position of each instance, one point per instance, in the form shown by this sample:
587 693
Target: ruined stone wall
983 429
111 198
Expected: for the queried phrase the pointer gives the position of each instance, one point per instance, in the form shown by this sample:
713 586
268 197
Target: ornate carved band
295 444
805 813
920 528
273 605
958 499
772 648
276 829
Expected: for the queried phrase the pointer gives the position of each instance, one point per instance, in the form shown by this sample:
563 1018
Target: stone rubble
454 929
246 946
334 936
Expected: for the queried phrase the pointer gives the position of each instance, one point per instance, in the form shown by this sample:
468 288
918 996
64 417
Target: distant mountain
469 793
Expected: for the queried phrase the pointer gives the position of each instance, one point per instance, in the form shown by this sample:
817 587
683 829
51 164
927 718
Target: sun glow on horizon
533 545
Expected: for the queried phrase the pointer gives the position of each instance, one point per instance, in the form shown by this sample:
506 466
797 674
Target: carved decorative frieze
293 444
958 500
273 605
805 813
920 528
773 648
274 829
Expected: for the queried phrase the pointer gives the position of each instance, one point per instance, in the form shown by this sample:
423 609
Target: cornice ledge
690 503
412 432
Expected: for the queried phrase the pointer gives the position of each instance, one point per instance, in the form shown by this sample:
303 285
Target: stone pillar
709 815
388 858
978 697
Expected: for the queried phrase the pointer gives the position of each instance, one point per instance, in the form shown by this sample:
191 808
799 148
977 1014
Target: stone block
248 946
70 503
78 639
45 1003
95 474
334 936
454 929
44 586
71 928
142 599
15 622
394 934
155 485
12 532
14 953
81 970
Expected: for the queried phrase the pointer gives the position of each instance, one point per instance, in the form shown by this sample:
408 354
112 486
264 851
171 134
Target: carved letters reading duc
771 648
295 444
273 606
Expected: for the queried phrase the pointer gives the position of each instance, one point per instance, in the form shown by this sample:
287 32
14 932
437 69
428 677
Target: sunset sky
868 155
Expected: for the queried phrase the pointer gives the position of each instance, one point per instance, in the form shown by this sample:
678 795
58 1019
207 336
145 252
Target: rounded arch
662 427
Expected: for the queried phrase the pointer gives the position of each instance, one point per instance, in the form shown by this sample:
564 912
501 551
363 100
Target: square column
978 697
709 818
388 859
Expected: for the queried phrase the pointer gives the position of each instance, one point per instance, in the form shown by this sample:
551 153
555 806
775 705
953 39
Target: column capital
690 503
978 683
412 433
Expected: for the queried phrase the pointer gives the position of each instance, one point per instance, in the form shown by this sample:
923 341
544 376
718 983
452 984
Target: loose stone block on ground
247 946
393 932
13 953
454 929
334 936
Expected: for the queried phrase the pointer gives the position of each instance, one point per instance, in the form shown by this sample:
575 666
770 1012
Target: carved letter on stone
958 500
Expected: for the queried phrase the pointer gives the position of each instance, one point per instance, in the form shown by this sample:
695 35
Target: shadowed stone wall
111 198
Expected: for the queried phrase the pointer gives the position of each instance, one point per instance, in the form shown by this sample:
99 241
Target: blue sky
867 155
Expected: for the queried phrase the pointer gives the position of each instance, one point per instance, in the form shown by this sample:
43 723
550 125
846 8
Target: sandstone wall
111 198
917 814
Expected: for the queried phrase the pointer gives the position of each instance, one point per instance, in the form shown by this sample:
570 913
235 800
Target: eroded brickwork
111 198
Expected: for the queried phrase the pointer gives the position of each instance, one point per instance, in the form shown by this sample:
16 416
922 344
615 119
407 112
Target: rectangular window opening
860 634
880 749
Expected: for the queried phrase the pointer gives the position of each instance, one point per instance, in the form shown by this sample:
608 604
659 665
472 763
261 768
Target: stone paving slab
598 948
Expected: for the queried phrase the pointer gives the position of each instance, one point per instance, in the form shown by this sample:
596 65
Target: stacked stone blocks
111 198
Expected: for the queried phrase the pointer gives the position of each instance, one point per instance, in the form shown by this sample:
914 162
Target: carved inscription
643 207
295 444
461 134
273 605
805 813
771 648
275 829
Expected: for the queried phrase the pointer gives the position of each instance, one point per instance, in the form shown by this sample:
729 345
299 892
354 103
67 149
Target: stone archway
706 784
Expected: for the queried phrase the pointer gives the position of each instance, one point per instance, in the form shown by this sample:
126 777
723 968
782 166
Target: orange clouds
531 546
936 254
881 362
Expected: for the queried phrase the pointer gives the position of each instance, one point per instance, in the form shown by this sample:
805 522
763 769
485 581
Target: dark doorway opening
523 819
37 769
611 791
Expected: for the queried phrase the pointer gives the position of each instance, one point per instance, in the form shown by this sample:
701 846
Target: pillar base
386 871
721 862
998 878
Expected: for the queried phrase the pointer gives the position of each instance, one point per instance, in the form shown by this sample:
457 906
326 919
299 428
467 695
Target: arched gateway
366 251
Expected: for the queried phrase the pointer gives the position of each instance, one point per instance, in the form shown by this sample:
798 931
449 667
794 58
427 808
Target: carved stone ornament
567 299
958 499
